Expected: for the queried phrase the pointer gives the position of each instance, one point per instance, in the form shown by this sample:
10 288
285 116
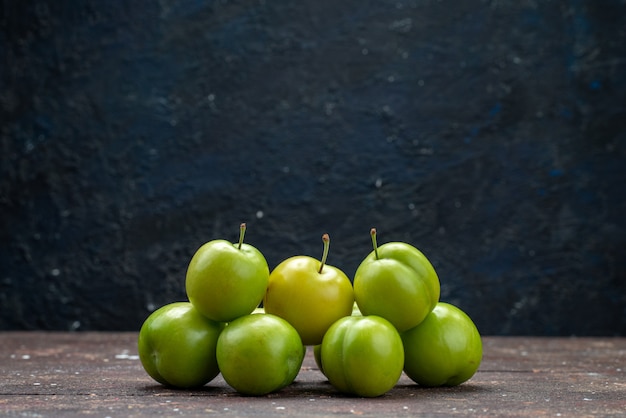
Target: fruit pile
253 326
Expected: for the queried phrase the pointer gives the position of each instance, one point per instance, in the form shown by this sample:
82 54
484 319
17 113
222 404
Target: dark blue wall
489 134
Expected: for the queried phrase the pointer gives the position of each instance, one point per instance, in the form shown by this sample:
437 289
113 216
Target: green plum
225 281
396 281
362 355
259 354
443 350
177 346
310 294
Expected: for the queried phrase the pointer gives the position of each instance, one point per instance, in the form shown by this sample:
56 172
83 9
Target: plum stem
373 234
326 240
242 233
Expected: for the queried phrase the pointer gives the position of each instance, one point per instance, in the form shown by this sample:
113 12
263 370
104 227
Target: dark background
489 134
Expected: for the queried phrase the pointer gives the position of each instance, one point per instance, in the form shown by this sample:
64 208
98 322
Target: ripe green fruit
310 294
444 350
259 354
362 355
226 281
177 346
396 281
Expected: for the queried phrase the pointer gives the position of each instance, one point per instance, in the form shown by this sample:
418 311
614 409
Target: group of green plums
253 326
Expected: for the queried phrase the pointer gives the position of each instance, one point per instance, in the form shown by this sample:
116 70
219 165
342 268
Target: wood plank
99 374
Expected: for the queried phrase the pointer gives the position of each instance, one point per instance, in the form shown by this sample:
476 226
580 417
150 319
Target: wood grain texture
98 374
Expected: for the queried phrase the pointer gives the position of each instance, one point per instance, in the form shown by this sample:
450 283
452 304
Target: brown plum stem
373 234
242 233
326 240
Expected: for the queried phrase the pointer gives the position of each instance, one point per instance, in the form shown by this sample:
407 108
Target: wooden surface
99 374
